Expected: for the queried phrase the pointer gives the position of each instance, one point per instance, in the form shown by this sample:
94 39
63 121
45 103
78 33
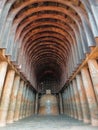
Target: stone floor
49 123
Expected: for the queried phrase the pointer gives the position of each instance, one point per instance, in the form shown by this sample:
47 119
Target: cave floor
61 122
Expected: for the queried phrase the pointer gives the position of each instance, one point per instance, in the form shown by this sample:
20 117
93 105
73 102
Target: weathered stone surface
91 98
49 123
3 69
83 99
13 97
93 68
48 105
18 101
5 100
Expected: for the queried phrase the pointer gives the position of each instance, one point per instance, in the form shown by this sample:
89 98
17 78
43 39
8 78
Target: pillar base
76 117
10 122
16 119
71 116
94 122
80 119
86 121
20 118
2 124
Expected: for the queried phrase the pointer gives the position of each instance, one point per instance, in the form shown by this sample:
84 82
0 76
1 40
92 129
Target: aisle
49 123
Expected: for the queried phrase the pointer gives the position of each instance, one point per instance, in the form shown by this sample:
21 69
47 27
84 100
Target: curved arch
47 33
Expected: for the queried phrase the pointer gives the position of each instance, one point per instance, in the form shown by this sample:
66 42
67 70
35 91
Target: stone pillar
13 99
25 104
90 96
30 100
23 111
33 100
74 100
32 103
64 101
28 104
93 68
22 102
83 99
18 101
67 103
78 103
36 104
6 97
3 69
61 104
71 98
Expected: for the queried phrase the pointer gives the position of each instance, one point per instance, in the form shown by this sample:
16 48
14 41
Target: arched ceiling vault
47 36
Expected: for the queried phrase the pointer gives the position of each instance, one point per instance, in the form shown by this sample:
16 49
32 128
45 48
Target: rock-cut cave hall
48 64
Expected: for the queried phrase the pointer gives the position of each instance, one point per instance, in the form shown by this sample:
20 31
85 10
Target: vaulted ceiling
47 36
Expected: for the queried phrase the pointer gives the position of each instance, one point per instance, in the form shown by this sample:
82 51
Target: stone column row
16 97
80 98
30 105
60 103
36 103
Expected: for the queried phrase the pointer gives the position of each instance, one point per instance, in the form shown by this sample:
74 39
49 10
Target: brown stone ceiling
45 31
